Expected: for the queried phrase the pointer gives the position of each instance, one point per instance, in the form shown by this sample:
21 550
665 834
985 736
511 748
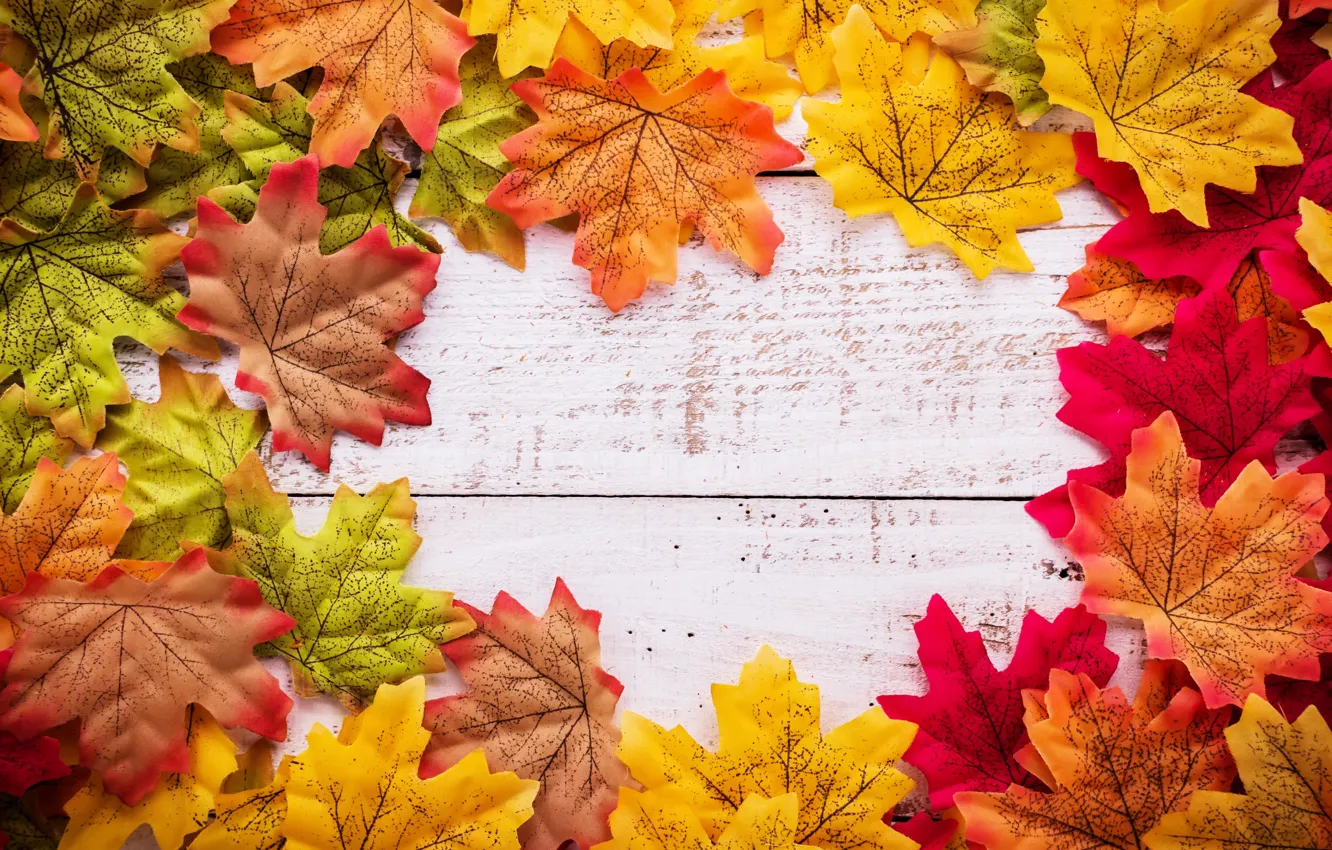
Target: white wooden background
800 459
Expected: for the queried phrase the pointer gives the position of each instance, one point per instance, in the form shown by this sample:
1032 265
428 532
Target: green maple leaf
357 198
466 163
177 450
357 625
67 293
24 826
24 440
999 54
101 68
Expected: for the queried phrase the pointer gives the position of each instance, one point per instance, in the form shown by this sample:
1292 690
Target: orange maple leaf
1117 768
1117 291
15 125
380 57
1215 587
636 164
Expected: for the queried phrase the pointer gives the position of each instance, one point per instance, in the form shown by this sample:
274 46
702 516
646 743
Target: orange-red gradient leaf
15 125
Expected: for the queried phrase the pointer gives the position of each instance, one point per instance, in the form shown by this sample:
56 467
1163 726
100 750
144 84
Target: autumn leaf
24 441
357 626
251 818
23 827
528 32
662 819
466 164
749 75
999 54
1252 290
311 328
1118 767
1315 237
1215 587
601 149
1232 404
101 68
1292 696
771 745
1161 85
15 125
1297 54
178 807
940 155
1287 774
264 133
537 703
23 764
366 793
971 719
380 58
177 450
127 658
35 192
1115 290
946 834
68 293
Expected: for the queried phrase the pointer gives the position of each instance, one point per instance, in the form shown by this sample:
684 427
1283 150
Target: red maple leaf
25 763
1231 404
1296 53
971 719
1167 244
1292 696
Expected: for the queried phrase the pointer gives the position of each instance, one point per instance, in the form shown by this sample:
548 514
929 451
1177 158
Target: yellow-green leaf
24 440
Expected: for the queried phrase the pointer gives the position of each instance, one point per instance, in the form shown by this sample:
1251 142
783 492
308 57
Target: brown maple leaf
539 705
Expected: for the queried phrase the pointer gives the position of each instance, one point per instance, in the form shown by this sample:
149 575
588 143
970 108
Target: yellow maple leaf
366 793
806 27
250 816
941 155
1161 83
662 819
771 744
178 806
748 74
1315 237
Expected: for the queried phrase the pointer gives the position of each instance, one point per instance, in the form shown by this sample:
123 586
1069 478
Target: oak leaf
366 793
356 625
1215 587
662 819
178 807
101 68
1232 404
1118 768
1160 81
177 450
465 164
24 441
771 745
1287 801
15 125
379 57
939 154
128 657
635 164
1116 290
537 703
311 328
999 54
23 764
971 718
749 75
250 818
69 292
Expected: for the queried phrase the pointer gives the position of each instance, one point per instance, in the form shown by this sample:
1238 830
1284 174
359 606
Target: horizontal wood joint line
473 494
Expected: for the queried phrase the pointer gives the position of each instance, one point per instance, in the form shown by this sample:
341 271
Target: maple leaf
771 745
1116 290
101 68
15 125
179 806
177 450
1253 293
127 657
1315 237
22 827
635 164
1160 83
807 28
540 704
1118 767
1232 404
1296 51
1292 696
999 54
25 763
250 818
465 164
264 133
971 719
68 293
35 192
1287 802
661 819
1214 587
526 35
946 834
356 626
380 57
311 328
366 793
749 75
24 441
937 153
